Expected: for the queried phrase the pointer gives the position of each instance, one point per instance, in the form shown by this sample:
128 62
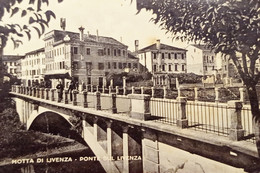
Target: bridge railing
231 119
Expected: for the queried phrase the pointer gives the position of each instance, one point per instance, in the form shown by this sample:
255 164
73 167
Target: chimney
97 35
63 23
136 45
88 34
81 37
158 44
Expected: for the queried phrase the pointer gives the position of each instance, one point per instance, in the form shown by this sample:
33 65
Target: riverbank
44 145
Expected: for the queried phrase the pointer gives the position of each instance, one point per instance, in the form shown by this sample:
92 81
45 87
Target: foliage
37 19
186 78
230 27
77 123
130 77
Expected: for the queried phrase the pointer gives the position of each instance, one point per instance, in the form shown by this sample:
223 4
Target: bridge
139 133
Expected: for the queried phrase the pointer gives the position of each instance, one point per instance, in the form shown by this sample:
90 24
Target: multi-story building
33 67
85 58
162 60
12 64
202 60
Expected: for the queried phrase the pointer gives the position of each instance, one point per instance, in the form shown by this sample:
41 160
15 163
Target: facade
85 58
33 67
12 64
201 60
161 60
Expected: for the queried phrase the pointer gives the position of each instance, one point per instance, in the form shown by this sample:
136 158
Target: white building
202 60
12 65
161 60
33 67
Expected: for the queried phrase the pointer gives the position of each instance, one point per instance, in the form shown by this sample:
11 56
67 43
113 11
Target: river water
64 163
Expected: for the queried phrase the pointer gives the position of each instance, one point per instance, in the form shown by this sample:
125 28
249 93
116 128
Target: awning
57 76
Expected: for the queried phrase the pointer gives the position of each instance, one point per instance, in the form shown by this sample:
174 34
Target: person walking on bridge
71 88
60 89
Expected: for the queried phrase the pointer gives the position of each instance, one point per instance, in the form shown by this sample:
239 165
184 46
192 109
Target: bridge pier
99 132
150 152
132 150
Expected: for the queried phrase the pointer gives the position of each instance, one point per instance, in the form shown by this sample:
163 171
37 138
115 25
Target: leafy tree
231 27
37 20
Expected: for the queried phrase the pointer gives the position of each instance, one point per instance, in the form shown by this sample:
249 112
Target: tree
230 27
37 20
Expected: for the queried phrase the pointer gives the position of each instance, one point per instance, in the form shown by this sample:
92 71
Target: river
71 162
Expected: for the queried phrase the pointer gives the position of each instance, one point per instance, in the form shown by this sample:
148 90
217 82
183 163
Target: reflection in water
28 169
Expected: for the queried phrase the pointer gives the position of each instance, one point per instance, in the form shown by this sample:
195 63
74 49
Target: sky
112 18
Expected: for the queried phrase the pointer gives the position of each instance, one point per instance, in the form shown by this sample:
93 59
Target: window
108 51
162 55
75 50
135 65
124 65
100 52
154 55
88 51
105 51
15 71
206 69
11 63
213 68
129 65
120 65
154 68
108 65
75 66
124 52
114 52
182 56
163 67
119 52
175 56
169 67
183 67
88 67
115 65
169 55
176 67
101 66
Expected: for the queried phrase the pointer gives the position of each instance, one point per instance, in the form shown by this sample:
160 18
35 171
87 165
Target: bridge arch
54 123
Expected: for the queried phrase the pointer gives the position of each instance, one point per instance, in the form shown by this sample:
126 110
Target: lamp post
1 65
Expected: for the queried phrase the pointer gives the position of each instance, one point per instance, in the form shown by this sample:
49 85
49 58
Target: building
202 60
33 67
12 65
161 60
85 58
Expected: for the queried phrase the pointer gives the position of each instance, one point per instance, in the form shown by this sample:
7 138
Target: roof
59 36
35 51
131 55
12 57
202 46
163 47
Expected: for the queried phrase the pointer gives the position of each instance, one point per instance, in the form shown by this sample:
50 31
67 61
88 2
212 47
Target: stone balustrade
140 104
